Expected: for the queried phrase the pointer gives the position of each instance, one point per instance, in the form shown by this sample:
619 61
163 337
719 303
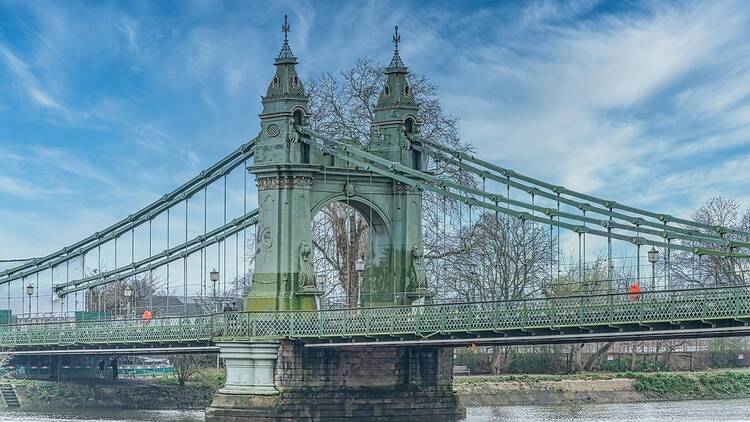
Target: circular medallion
266 240
273 130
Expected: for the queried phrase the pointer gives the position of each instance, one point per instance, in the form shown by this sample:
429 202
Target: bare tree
185 365
111 297
339 238
499 258
689 270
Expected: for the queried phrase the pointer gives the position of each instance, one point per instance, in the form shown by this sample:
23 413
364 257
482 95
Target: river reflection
683 411
103 415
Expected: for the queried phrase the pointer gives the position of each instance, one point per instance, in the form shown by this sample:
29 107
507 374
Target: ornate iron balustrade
670 309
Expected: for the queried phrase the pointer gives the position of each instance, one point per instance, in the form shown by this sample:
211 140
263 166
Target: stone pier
286 381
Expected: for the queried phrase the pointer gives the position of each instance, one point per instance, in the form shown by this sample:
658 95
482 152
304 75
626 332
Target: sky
106 106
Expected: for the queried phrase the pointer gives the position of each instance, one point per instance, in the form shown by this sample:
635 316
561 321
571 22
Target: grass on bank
653 385
706 385
208 377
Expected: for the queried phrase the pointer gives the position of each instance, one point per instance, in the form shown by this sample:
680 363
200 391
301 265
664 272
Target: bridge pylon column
284 272
250 368
284 275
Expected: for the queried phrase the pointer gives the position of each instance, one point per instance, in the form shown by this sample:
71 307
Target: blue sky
106 106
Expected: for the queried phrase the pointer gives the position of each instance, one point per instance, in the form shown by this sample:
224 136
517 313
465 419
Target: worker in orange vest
634 291
147 316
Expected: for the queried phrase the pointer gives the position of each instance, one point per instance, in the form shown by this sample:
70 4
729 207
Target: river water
685 411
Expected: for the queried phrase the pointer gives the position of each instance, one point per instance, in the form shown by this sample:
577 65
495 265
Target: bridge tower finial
286 55
396 99
285 29
396 39
396 66
285 90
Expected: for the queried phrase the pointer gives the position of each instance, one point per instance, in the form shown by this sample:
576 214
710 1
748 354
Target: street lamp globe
214 275
653 255
127 291
30 289
359 265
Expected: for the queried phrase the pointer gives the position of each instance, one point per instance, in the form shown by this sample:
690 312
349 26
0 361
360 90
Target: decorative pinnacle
396 64
286 55
285 29
396 39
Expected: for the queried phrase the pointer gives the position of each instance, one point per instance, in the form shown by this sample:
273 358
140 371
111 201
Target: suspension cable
440 187
206 177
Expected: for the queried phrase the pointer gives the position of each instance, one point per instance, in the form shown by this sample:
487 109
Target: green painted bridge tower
295 182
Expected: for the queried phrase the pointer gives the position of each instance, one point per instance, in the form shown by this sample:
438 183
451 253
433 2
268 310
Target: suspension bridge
81 297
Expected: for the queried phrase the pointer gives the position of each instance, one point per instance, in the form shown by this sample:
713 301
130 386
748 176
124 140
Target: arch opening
351 250
409 125
297 117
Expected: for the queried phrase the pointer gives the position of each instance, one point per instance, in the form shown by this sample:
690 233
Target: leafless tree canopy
491 257
111 297
339 239
688 270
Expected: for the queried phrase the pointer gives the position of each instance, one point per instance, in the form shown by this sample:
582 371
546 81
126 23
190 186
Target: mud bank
516 393
124 394
600 388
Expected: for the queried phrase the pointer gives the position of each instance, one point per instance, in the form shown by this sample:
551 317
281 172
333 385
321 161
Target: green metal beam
665 231
391 169
564 191
188 189
132 270
203 240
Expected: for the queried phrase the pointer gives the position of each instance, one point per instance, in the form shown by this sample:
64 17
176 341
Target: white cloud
23 188
570 101
28 83
71 164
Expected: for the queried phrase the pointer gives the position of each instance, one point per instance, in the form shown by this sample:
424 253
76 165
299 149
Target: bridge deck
675 313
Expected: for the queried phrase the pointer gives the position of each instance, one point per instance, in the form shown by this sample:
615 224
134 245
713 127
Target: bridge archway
284 276
345 229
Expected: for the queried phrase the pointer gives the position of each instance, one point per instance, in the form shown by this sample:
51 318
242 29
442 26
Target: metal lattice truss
656 314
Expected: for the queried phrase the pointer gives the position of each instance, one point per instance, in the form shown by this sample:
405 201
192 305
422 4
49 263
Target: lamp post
653 256
322 281
359 267
30 291
128 293
214 277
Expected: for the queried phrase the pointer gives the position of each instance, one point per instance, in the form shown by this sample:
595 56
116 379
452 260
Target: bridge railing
671 307
114 331
668 306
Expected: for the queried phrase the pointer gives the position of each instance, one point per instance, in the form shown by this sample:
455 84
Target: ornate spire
396 91
285 55
285 90
396 66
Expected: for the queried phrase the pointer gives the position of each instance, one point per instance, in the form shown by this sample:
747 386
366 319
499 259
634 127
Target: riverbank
504 390
120 394
473 391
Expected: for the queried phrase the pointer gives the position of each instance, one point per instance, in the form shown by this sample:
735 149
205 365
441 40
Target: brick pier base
363 384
